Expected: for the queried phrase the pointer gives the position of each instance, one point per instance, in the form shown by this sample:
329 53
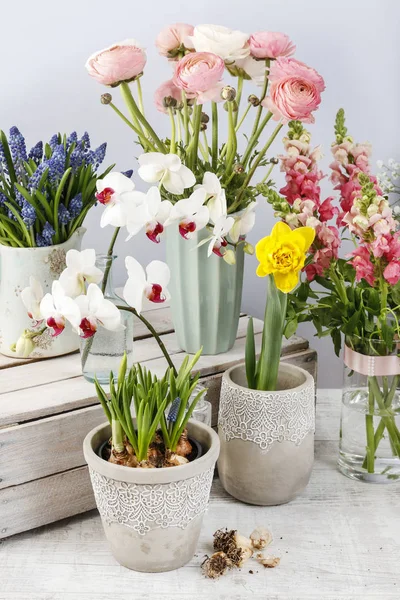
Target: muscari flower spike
64 216
54 141
173 411
75 206
36 177
56 164
28 214
128 173
72 138
17 145
36 153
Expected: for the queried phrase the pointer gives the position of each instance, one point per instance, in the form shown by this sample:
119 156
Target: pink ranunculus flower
361 261
295 91
171 39
121 62
270 44
392 272
165 90
198 72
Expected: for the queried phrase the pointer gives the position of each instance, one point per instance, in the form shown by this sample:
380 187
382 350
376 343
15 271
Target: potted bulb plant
152 473
266 417
45 195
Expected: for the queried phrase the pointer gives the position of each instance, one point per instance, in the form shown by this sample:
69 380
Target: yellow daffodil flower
283 254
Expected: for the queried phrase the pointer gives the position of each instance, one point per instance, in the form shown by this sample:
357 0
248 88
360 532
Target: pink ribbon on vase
371 365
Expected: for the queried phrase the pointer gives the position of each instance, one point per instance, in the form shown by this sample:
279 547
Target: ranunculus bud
230 104
253 100
169 102
105 98
203 126
228 93
229 257
248 248
204 117
238 168
274 161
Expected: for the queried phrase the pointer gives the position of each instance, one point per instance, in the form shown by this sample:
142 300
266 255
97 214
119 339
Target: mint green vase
206 294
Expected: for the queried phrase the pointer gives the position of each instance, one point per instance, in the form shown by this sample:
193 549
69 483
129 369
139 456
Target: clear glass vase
103 352
370 420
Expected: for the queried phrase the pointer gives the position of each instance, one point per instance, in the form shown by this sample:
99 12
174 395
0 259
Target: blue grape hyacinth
174 409
36 153
64 215
75 206
17 145
28 214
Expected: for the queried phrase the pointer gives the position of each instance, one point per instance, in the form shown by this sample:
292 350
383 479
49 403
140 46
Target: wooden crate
47 408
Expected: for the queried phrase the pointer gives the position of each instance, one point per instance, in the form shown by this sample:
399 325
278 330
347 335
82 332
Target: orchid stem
154 334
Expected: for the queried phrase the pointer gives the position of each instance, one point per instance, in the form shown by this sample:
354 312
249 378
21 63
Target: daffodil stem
153 333
270 356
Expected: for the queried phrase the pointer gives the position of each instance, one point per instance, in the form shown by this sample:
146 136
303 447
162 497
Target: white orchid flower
96 310
57 308
228 44
216 199
255 69
151 284
191 213
218 240
80 269
167 169
244 223
111 191
32 296
152 214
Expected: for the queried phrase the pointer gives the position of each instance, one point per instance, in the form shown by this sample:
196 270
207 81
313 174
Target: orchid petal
108 315
133 293
135 270
187 176
151 173
152 158
172 162
116 181
173 183
113 214
158 272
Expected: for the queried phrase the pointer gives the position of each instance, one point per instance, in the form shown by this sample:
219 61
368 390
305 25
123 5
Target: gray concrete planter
267 438
152 517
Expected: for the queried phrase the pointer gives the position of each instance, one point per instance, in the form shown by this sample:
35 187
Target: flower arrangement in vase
358 297
45 195
206 185
151 474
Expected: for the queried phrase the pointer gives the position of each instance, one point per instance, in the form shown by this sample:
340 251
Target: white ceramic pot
16 267
267 438
152 517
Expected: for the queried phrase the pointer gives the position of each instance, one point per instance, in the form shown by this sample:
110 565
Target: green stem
254 139
205 154
195 139
275 313
185 118
117 436
140 95
263 94
172 147
139 133
154 334
214 145
134 110
254 167
264 179
238 97
242 118
232 142
89 341
369 423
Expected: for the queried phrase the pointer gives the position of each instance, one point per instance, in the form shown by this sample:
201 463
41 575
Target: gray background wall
45 88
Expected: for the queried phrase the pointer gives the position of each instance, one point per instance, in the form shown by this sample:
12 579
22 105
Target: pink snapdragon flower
121 62
327 211
199 73
361 261
270 44
392 272
171 40
295 90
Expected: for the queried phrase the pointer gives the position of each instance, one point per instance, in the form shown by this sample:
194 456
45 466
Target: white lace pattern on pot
146 507
263 418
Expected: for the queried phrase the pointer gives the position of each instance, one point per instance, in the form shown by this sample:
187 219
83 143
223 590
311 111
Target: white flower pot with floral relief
152 517
17 266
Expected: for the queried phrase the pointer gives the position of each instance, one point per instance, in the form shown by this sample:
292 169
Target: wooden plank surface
47 446
337 541
36 390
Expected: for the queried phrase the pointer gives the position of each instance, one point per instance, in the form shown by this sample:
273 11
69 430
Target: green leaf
337 341
291 328
57 202
102 396
250 356
9 161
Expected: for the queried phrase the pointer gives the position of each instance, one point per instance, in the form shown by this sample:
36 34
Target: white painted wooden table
338 541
